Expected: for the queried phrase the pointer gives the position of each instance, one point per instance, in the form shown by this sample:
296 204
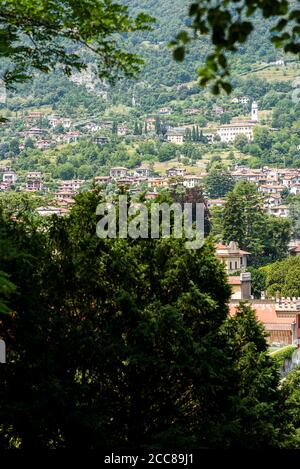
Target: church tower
254 112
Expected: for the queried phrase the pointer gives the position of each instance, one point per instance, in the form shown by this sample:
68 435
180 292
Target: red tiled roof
266 313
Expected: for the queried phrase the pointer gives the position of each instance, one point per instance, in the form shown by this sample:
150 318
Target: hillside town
150 228
271 182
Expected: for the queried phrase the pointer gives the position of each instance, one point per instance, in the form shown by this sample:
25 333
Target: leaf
179 54
226 87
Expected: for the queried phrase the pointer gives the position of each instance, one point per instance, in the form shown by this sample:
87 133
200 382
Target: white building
9 176
55 121
229 132
254 112
279 211
176 136
191 181
176 172
165 110
118 172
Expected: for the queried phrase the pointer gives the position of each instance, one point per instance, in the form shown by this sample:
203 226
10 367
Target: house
272 201
244 100
215 203
118 172
282 211
101 140
48 211
9 176
35 133
165 111
103 179
35 115
270 189
34 181
176 172
295 250
44 144
280 318
71 137
92 127
149 123
151 195
125 181
71 186
4 186
295 189
228 132
122 130
144 172
61 195
157 182
66 122
176 136
191 181
55 121
210 137
218 110
192 111
234 258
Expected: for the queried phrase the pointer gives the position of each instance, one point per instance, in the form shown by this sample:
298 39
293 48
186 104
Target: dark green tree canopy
39 35
229 23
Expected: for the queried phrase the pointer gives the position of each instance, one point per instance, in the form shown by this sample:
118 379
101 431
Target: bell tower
254 112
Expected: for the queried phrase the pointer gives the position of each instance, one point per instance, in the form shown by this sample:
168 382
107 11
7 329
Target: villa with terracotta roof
280 318
234 258
295 250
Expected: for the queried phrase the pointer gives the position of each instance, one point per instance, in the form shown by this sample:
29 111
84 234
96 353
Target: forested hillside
160 70
171 18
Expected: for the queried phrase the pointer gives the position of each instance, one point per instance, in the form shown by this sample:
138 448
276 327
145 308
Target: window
230 265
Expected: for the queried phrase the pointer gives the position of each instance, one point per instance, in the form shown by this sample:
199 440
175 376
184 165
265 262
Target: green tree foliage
295 216
258 398
218 183
29 143
166 152
244 221
283 277
258 281
35 37
291 388
115 127
241 141
229 24
125 343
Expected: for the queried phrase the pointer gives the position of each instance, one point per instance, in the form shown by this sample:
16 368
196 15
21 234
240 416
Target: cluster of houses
272 183
279 316
71 130
34 180
226 133
60 130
